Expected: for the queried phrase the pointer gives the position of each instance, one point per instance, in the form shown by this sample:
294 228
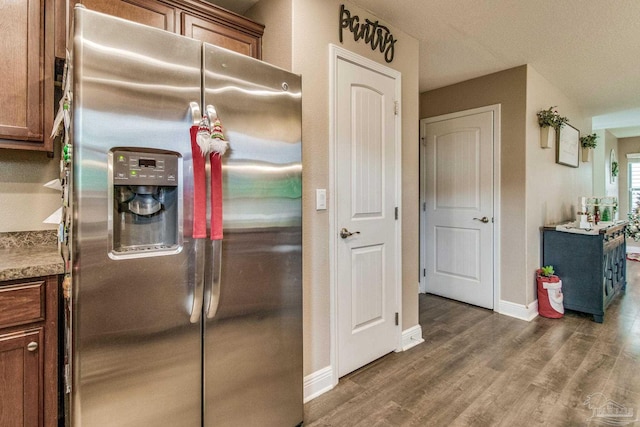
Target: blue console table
592 268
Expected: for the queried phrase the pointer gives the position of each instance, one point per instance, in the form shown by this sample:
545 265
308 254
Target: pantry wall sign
377 36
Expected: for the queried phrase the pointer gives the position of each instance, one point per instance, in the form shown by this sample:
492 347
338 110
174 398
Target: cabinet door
147 12
21 378
221 35
198 20
21 70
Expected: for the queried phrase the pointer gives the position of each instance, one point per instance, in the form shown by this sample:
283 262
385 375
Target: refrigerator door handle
214 284
211 112
199 220
196 115
215 279
198 277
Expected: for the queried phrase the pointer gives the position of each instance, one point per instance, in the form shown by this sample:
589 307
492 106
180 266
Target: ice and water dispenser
145 203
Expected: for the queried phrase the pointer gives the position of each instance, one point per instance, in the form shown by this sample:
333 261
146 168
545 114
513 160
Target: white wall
276 40
315 26
626 146
507 88
602 185
534 189
24 202
552 189
610 142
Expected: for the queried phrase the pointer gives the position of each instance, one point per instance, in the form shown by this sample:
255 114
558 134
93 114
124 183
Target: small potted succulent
550 298
550 122
588 143
547 271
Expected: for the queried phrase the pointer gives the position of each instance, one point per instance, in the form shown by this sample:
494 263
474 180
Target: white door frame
337 53
496 109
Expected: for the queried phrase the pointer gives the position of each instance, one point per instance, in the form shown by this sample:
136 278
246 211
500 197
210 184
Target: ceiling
589 49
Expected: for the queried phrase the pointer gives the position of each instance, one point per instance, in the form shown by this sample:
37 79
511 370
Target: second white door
366 198
458 210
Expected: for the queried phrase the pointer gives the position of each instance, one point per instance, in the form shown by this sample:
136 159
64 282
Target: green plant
547 271
589 141
551 118
614 169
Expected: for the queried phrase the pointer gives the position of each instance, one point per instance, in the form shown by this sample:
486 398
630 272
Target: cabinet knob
32 346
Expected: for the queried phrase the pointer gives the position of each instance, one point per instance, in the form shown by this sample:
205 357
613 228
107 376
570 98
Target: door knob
344 233
32 346
484 219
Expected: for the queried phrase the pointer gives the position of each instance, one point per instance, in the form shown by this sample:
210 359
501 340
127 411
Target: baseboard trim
519 311
411 337
317 383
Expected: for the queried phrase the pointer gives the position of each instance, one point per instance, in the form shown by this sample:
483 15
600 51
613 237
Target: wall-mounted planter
547 136
586 154
614 167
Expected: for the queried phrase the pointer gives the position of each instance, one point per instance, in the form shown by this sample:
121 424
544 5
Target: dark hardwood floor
479 368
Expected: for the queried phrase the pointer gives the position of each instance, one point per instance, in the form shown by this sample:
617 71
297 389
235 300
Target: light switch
321 199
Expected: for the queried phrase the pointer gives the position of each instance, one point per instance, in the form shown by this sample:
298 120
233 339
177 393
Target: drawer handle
32 346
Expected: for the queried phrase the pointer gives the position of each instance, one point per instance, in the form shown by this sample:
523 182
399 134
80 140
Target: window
634 183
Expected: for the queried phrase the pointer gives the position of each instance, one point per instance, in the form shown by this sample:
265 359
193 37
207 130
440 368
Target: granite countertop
28 254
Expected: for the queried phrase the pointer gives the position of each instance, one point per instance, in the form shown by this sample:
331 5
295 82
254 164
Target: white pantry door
366 200
459 208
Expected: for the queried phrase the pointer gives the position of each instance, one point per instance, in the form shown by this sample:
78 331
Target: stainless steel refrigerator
168 329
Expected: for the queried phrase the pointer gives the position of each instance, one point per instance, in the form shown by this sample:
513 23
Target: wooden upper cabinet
26 89
147 12
196 19
219 34
33 32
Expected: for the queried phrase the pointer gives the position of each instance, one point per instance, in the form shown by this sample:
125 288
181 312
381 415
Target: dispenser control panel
141 168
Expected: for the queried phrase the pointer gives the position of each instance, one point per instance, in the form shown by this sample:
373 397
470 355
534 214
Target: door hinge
396 108
424 206
397 319
424 272
396 212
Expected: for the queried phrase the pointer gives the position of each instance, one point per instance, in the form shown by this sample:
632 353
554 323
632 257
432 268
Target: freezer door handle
211 112
196 115
198 279
214 279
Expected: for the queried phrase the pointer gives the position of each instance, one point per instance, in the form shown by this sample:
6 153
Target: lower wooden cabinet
21 385
29 352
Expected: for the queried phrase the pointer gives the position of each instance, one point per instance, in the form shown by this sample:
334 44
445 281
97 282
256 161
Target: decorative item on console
594 210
